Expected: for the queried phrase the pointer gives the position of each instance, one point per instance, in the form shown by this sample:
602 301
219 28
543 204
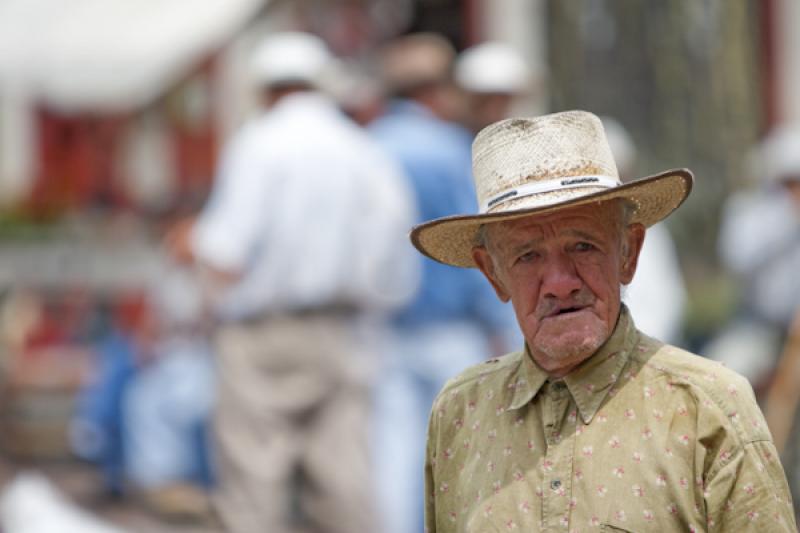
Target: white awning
110 54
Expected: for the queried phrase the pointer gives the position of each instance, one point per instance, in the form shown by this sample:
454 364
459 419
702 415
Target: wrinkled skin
563 273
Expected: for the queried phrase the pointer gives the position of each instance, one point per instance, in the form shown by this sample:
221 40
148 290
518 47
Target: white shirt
760 241
310 211
657 294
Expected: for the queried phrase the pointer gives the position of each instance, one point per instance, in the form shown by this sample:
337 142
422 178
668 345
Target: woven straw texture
518 152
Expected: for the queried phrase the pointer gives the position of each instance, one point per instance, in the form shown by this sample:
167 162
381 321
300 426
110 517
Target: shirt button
555 484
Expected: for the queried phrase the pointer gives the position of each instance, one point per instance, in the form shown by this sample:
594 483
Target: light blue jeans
166 409
418 363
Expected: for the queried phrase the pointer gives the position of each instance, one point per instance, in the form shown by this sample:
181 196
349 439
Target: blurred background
113 114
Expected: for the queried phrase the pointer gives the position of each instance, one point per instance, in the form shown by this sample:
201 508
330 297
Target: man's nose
560 278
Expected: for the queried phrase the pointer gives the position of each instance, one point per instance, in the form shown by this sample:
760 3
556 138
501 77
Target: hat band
571 182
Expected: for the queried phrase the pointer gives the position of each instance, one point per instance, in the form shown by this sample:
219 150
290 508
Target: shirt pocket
630 522
638 523
613 527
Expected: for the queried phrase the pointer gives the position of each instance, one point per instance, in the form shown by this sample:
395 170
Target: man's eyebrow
584 235
525 245
519 248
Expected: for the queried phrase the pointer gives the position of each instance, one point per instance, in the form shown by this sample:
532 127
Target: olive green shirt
642 436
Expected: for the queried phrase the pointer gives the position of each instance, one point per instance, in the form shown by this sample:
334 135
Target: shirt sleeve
229 225
749 492
386 265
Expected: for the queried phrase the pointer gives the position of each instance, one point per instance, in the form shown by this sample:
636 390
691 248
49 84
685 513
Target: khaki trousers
291 427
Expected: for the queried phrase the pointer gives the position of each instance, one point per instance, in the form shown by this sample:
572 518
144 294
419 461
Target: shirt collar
591 381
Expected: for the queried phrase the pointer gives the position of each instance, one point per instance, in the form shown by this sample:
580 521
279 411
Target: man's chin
574 343
578 349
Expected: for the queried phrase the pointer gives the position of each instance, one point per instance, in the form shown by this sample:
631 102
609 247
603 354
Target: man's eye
527 257
584 247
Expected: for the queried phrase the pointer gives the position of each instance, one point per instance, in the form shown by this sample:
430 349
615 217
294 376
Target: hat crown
533 162
290 57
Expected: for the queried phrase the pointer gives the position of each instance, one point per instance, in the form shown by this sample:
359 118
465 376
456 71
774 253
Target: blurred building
112 104
111 117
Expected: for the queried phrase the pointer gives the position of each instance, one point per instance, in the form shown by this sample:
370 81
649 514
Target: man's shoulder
421 135
683 365
715 387
483 375
311 133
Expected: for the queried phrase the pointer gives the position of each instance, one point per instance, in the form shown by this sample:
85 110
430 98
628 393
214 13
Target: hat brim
450 240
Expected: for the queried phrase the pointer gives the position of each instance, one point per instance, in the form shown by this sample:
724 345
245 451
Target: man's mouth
564 311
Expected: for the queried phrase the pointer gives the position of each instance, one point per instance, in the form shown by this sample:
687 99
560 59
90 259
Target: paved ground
81 484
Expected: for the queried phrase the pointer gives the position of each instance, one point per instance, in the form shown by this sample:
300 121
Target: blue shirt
436 157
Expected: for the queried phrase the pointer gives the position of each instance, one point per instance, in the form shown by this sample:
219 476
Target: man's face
563 273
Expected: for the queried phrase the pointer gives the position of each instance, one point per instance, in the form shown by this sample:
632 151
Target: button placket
558 460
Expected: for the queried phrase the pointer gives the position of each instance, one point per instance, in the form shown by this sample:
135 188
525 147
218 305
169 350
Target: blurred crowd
279 372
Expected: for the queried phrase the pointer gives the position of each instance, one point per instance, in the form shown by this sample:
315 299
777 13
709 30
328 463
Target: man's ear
634 239
484 261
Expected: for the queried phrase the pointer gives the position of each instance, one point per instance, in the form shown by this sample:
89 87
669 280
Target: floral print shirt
640 437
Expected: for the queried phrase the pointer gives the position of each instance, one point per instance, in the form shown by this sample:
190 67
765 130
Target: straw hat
527 166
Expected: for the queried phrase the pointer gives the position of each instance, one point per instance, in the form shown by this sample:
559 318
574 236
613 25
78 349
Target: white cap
492 67
779 154
290 57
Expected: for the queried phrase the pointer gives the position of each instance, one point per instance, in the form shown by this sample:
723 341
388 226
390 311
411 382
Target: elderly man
594 425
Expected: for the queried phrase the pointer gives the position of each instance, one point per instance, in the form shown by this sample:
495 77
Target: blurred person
167 405
759 242
97 428
454 320
594 424
493 76
358 94
657 295
301 243
142 417
781 407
